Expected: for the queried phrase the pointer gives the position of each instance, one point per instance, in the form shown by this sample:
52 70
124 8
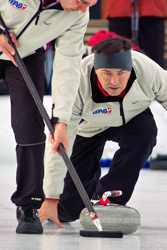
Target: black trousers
28 127
136 140
151 34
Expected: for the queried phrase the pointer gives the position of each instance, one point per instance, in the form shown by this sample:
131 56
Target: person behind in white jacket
112 104
32 24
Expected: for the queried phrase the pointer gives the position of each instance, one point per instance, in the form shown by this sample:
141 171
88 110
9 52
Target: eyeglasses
86 4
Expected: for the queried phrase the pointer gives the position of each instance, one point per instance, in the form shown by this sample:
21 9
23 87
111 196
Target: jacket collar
50 4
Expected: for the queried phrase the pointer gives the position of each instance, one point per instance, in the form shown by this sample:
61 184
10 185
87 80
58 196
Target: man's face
75 5
113 81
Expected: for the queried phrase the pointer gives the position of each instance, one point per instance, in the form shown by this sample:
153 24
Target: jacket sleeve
160 87
66 68
55 168
151 77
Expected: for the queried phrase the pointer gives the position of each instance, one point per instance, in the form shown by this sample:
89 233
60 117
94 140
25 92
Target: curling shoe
28 220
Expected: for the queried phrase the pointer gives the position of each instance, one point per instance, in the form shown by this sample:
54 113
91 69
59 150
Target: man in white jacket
32 24
116 90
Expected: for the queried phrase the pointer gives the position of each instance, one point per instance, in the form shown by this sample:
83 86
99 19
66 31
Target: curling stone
112 218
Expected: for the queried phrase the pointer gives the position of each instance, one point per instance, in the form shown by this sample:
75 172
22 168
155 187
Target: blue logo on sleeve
17 5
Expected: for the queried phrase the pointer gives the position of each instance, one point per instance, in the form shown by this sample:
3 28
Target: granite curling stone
112 218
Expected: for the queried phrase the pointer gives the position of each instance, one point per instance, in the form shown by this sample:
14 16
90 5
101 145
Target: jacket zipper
122 112
36 15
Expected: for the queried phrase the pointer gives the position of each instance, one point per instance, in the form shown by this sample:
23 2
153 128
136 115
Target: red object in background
104 34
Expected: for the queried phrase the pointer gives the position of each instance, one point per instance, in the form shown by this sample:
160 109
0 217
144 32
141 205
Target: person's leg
136 140
152 37
85 158
121 26
28 127
30 174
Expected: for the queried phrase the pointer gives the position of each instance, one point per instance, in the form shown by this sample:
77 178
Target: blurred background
142 21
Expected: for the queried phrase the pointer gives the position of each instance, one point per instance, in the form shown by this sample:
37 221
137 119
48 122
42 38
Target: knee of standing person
28 126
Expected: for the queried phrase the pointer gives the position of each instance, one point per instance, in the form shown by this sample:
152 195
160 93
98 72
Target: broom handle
46 118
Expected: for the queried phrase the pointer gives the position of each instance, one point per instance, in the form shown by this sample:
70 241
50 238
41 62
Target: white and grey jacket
34 27
148 81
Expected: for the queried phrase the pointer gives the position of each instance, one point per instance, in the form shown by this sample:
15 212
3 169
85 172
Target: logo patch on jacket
17 5
103 111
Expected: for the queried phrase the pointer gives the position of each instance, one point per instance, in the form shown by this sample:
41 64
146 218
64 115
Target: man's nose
114 79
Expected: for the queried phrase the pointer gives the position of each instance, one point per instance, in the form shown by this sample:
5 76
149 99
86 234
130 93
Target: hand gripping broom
70 167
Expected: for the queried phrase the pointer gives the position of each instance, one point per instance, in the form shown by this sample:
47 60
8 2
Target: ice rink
149 198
